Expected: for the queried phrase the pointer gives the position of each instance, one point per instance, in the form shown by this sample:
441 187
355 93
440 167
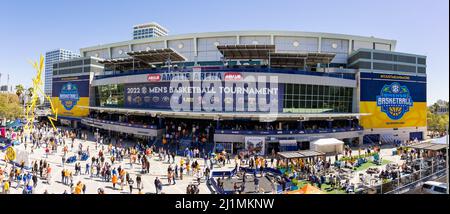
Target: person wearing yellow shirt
78 188
188 168
6 187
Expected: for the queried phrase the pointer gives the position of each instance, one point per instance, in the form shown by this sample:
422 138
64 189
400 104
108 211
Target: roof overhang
428 146
143 59
157 56
246 51
123 64
261 116
300 59
277 59
300 154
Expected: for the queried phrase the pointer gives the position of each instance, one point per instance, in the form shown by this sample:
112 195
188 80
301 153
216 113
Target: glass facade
317 99
388 62
109 95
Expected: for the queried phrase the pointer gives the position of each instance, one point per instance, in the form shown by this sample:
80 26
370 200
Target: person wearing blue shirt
24 179
114 171
29 177
19 179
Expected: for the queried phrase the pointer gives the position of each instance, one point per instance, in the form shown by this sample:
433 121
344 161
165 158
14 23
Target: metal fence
412 181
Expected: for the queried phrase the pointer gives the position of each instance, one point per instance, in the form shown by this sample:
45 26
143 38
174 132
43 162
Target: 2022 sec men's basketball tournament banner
393 101
69 93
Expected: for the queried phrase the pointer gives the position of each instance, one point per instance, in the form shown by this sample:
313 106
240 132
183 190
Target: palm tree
19 90
30 91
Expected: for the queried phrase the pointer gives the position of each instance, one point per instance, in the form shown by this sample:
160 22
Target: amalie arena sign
228 76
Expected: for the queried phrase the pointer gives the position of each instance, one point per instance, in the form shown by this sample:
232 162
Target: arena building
258 90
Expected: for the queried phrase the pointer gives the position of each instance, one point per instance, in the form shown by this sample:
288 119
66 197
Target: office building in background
52 57
149 30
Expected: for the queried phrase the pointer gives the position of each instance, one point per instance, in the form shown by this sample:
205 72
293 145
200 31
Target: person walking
87 169
181 172
138 181
78 188
49 174
84 188
130 183
63 174
63 160
256 182
35 181
114 180
158 185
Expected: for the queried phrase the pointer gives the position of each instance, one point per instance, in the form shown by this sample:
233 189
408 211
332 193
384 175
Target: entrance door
416 135
305 145
272 146
371 138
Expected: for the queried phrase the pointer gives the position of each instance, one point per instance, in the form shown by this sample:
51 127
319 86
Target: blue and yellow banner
394 101
69 93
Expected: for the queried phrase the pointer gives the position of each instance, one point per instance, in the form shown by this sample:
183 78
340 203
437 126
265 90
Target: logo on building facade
154 78
233 76
69 96
394 100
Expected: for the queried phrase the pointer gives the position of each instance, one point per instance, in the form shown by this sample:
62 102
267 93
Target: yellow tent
307 189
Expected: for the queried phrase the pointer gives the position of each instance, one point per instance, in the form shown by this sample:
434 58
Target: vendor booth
328 145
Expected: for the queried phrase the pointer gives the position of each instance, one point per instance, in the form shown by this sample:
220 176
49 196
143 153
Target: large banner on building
160 92
394 101
255 145
69 93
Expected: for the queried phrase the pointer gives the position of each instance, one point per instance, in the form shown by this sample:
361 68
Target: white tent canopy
328 145
441 140
22 155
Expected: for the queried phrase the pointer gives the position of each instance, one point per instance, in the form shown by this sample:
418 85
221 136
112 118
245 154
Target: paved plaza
157 169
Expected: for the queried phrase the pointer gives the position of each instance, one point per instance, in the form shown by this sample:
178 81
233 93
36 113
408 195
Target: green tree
10 107
436 122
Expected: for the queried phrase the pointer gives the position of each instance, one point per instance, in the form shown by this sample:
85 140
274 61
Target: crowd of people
105 161
107 158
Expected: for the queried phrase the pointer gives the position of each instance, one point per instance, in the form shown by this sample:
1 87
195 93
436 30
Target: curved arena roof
203 46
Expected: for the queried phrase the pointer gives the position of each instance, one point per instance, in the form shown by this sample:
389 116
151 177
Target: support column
300 125
218 124
330 124
160 122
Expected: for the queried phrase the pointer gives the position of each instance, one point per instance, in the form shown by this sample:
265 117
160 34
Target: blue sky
30 28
